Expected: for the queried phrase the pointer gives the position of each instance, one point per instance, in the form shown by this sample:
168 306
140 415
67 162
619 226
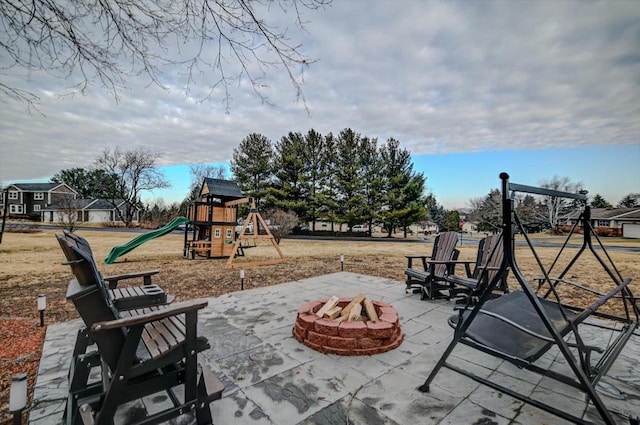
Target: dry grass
31 264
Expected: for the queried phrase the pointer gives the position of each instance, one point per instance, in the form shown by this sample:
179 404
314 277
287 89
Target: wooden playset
214 218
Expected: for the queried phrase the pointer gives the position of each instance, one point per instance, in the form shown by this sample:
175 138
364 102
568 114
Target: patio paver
272 379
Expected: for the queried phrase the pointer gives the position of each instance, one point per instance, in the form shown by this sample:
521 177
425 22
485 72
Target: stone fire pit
355 338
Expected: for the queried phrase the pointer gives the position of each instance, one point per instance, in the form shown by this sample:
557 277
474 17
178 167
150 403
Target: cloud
440 77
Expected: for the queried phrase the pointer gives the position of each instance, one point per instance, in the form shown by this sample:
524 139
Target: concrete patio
272 379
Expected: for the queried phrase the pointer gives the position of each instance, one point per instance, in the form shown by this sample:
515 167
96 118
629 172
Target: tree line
345 178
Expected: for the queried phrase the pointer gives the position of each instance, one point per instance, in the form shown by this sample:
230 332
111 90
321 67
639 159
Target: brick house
30 198
624 222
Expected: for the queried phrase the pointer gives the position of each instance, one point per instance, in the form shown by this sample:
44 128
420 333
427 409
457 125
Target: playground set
214 220
210 227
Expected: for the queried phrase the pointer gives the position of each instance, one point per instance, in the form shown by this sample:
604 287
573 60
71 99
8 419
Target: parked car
359 228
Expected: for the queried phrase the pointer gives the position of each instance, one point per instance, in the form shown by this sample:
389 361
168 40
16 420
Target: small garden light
242 279
42 306
341 263
18 397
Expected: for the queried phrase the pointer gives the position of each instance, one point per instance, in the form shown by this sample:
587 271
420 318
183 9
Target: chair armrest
174 310
467 265
416 256
112 281
445 262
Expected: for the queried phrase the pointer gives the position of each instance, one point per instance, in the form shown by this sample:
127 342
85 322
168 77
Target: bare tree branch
104 42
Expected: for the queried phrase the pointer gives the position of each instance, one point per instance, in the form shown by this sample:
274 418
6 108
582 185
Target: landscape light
18 397
341 263
42 306
242 279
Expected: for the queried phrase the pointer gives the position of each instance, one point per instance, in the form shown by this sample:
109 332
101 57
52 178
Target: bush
282 223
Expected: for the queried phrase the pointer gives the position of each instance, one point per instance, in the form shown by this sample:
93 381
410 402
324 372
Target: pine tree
252 165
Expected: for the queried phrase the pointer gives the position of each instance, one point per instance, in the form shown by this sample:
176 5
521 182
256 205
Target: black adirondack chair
430 280
521 326
124 297
488 263
149 352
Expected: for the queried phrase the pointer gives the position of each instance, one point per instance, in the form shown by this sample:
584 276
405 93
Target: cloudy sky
471 88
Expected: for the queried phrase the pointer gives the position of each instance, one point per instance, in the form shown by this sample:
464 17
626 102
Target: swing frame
530 324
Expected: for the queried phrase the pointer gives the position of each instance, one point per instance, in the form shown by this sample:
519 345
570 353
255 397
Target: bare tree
105 42
281 223
198 173
133 173
67 217
554 206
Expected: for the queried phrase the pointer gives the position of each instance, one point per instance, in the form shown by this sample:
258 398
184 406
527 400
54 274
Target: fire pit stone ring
356 338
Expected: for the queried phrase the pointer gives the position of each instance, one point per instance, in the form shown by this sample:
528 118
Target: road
542 243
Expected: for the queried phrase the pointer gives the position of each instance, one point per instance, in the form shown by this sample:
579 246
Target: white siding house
87 211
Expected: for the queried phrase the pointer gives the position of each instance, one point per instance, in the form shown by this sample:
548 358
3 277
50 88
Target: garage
631 230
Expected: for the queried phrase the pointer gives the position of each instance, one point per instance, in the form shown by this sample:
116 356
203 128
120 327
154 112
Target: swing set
525 324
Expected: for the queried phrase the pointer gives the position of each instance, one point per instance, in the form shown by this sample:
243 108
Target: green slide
119 250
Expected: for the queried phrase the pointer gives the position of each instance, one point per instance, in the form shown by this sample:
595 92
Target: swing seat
499 326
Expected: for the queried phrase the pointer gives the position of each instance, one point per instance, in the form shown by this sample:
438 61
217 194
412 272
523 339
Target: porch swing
523 325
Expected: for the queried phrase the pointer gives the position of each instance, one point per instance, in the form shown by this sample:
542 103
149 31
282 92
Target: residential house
623 222
87 211
469 227
30 198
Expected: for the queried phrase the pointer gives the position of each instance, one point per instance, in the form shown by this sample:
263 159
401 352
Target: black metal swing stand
521 326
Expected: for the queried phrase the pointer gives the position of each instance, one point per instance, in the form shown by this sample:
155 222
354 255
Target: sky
471 89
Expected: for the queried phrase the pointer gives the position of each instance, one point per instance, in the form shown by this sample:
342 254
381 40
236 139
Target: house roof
39 187
85 204
71 203
103 204
35 187
225 189
610 214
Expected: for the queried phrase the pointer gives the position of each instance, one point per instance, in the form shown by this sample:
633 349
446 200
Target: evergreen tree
347 182
88 183
327 194
489 215
527 209
252 165
435 211
372 167
630 201
452 221
404 197
599 202
414 195
289 191
317 159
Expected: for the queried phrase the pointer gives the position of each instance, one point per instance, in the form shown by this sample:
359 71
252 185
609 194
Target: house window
216 233
15 209
13 194
603 223
228 234
37 207
38 196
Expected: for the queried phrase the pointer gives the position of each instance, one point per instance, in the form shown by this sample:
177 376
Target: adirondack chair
154 352
123 298
488 262
430 280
